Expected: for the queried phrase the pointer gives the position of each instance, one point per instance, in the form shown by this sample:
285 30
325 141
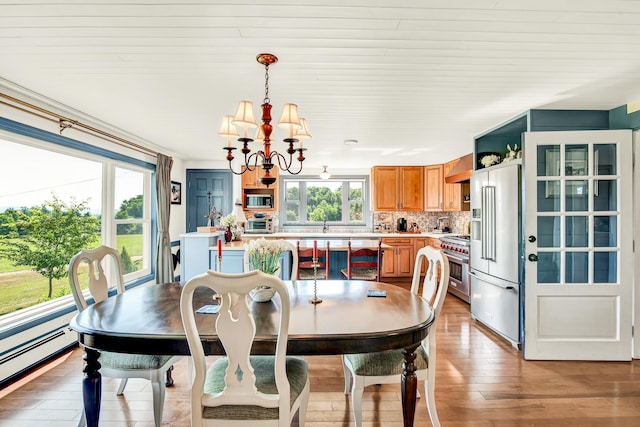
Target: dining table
349 319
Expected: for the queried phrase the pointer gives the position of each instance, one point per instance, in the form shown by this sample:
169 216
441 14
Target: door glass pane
605 267
548 160
575 160
548 196
577 195
577 232
605 197
548 231
576 267
605 231
548 267
604 159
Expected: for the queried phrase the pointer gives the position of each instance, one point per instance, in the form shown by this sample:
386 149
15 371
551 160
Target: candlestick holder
315 299
217 296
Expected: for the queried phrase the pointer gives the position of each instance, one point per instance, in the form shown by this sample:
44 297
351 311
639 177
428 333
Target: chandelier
244 118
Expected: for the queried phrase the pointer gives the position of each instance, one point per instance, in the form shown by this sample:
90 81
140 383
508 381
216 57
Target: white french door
578 245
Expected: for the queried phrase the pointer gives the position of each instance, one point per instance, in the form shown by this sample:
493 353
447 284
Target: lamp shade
289 118
244 115
227 128
324 174
302 133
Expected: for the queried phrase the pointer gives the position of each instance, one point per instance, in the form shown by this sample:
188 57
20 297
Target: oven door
459 278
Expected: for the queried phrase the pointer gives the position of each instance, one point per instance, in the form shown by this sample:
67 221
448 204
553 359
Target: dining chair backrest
363 263
235 326
98 283
436 280
288 246
305 261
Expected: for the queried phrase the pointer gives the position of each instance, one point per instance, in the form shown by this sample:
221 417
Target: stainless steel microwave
259 225
258 201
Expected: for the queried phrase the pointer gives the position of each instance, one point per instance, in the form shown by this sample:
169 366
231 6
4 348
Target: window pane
605 231
548 196
292 200
548 267
577 232
324 201
576 267
604 159
605 267
355 202
548 231
577 195
128 194
130 247
605 198
293 211
33 177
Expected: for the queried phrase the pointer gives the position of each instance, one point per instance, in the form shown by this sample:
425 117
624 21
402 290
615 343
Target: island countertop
334 244
285 235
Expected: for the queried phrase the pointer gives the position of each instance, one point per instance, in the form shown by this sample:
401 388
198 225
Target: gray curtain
164 260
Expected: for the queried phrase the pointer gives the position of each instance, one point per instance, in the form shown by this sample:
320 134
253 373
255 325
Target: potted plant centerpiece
264 255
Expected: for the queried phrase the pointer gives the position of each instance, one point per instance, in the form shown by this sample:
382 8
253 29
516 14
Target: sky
31 175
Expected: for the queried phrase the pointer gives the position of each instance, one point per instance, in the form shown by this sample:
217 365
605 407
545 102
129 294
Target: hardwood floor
481 382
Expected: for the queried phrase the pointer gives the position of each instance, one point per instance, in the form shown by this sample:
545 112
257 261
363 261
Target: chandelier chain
266 85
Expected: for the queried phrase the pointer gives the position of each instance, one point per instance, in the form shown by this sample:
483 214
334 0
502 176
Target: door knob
533 257
532 239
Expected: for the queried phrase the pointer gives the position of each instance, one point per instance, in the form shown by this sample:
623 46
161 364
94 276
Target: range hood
461 171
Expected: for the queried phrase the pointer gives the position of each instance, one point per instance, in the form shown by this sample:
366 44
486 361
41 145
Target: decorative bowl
262 293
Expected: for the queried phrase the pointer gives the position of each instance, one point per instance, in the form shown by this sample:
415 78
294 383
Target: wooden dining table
147 320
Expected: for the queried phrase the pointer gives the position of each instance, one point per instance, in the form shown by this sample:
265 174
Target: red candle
219 246
315 249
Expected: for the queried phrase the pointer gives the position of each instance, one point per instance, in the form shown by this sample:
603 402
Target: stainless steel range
457 250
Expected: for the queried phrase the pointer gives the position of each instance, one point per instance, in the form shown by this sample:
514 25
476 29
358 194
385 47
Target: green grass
26 288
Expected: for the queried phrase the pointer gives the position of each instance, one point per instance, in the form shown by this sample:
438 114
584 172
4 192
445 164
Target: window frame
15 132
345 180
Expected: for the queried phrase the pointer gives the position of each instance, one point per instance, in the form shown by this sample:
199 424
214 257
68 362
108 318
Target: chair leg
429 386
347 377
123 384
356 399
158 388
302 411
169 380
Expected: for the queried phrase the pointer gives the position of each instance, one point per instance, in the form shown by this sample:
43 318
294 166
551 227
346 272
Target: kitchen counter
334 244
342 235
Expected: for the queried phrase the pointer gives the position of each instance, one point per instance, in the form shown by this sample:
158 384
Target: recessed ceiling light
350 141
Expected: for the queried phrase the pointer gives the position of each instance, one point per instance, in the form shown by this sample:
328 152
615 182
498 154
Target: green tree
55 232
128 265
130 208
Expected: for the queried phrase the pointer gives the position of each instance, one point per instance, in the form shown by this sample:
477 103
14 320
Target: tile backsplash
426 221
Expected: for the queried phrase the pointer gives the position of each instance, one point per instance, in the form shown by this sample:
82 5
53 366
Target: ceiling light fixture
324 174
244 117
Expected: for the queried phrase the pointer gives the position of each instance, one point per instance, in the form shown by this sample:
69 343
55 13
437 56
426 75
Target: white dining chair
362 370
241 389
117 365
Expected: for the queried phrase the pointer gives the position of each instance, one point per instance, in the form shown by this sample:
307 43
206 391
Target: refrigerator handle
483 223
491 223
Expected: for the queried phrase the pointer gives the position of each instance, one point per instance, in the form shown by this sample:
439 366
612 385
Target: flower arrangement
264 254
229 221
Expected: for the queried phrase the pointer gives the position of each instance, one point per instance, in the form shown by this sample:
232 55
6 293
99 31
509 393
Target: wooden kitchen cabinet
398 188
433 184
454 193
251 185
419 243
399 261
251 179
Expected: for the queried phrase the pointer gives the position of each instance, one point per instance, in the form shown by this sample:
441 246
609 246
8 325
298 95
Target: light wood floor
482 381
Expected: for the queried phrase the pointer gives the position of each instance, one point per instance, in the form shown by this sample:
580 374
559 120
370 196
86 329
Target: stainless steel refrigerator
495 265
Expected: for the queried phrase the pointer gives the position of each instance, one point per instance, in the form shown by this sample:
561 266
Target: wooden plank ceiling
412 81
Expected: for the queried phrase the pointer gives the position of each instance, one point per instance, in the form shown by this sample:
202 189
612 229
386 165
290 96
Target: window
311 201
35 172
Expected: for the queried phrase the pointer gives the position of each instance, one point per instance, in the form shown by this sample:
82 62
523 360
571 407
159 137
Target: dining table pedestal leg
91 387
409 384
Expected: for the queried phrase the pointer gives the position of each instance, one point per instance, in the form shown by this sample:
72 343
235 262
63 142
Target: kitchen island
233 253
199 252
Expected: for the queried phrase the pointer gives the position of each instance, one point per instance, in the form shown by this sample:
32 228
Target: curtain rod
66 123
